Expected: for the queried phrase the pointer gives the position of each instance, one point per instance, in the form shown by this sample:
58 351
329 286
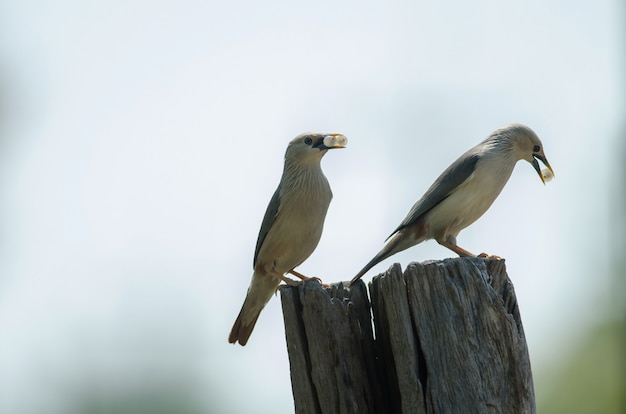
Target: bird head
313 145
527 146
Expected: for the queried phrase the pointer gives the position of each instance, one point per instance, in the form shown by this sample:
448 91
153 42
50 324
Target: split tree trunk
447 338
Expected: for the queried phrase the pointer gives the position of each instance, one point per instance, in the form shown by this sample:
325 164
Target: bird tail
259 293
391 248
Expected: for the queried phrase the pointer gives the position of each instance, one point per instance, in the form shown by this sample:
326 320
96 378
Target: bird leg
456 249
284 278
464 253
306 278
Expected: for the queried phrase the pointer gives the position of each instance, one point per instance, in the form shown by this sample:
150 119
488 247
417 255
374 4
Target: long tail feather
261 289
388 250
241 331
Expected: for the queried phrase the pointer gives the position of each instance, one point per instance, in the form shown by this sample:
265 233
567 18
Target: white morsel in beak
333 141
547 175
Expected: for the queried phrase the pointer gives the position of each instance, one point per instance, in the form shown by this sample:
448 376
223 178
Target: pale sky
141 143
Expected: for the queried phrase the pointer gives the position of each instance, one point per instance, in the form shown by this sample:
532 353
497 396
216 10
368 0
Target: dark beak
545 162
331 141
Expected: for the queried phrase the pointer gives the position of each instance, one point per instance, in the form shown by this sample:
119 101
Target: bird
292 225
464 192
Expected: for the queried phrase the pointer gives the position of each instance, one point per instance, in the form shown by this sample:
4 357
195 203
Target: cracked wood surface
446 337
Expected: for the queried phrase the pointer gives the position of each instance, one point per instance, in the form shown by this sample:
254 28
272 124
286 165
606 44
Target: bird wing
459 171
268 220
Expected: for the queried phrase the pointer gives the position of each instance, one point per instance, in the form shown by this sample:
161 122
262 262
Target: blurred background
140 143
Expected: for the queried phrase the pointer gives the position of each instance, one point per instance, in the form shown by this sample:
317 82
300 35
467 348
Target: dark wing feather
451 178
268 220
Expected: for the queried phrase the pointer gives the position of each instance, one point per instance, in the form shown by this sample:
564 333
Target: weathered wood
449 339
398 344
331 349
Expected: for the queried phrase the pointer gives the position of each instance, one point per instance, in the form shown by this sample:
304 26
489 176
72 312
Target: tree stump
447 337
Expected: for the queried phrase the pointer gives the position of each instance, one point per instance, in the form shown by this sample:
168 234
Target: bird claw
318 280
306 278
295 283
488 256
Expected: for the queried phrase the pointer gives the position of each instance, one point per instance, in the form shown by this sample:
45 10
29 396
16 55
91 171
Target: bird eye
308 140
536 148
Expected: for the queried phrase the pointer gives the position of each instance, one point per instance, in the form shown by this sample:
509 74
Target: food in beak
334 141
547 175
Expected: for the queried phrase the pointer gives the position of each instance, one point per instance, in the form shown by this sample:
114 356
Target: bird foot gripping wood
306 278
488 256
291 282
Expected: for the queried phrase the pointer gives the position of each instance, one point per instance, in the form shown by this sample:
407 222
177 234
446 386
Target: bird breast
468 202
298 226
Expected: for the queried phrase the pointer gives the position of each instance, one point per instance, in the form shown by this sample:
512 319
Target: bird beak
331 141
545 162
